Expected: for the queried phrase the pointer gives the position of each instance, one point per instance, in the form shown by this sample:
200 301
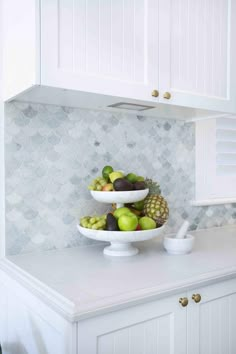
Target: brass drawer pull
167 95
155 93
197 298
183 301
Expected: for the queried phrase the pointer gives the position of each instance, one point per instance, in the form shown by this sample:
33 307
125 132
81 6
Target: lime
139 205
106 171
140 179
131 177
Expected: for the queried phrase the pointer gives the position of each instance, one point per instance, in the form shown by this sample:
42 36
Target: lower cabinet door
212 320
157 327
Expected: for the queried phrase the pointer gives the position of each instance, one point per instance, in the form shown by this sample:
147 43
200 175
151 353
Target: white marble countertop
82 282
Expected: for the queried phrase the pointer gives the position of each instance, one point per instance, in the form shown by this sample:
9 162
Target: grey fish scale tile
53 153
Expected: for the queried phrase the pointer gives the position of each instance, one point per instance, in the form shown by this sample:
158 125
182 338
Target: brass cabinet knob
183 301
155 93
197 298
167 95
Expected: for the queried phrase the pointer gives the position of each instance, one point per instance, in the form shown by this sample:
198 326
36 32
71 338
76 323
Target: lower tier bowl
121 241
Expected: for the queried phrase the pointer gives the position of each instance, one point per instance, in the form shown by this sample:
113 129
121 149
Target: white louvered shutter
226 147
216 160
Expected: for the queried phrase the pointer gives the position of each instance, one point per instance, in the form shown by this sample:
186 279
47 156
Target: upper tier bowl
120 197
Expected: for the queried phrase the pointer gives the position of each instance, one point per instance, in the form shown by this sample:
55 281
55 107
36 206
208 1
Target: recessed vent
131 106
226 146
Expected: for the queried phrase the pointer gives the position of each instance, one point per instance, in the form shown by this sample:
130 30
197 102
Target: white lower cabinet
151 328
205 326
165 326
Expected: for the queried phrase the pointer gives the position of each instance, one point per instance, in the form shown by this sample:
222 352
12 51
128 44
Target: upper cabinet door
198 53
102 46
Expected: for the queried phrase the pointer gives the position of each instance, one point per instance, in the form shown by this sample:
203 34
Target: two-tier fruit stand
120 240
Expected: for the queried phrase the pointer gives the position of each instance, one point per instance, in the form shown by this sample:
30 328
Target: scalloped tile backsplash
53 152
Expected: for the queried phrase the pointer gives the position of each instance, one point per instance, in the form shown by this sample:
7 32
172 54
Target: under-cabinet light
131 106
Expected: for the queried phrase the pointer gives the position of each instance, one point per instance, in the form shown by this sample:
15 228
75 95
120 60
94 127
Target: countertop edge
50 297
70 312
152 294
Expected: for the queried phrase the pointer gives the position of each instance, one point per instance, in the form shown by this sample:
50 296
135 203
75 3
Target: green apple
131 213
147 223
128 222
121 211
114 175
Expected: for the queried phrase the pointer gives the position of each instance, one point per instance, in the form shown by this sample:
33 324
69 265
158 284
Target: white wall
2 183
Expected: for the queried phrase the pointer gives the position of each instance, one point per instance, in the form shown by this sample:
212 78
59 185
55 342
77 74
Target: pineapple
155 206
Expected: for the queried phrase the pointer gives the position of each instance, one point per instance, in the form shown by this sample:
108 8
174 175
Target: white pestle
183 230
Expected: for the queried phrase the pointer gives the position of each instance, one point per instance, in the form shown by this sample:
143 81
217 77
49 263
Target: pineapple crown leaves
154 187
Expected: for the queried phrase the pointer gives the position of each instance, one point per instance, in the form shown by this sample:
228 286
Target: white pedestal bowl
120 198
121 241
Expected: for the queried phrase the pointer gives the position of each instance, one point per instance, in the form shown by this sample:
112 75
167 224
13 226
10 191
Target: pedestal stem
120 249
119 205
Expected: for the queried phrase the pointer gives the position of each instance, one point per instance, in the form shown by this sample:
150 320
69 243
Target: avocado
139 185
121 184
112 224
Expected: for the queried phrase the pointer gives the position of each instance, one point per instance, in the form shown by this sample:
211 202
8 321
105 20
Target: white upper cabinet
103 46
184 50
198 53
